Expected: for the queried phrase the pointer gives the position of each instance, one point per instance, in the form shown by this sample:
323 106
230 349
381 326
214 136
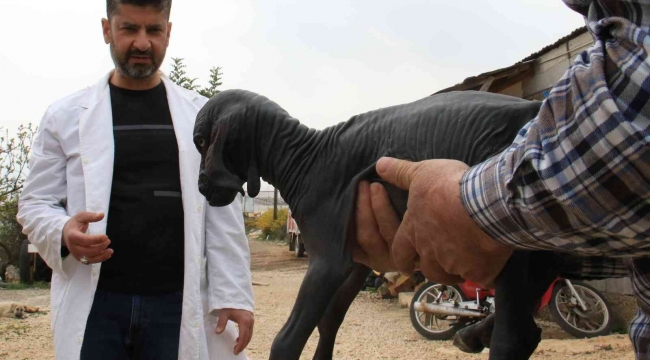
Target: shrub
276 229
250 223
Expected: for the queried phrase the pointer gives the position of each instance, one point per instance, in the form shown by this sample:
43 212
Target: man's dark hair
160 5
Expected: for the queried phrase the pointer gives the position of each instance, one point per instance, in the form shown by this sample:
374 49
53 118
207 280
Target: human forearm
578 178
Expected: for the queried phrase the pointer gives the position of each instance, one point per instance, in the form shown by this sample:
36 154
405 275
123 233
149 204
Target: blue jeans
133 327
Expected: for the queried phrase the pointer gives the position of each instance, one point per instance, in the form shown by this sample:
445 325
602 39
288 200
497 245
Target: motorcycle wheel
436 327
596 321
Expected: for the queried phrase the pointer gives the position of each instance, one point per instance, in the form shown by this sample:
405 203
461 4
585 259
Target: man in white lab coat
142 267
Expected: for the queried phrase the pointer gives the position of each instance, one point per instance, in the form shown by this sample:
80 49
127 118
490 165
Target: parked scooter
439 311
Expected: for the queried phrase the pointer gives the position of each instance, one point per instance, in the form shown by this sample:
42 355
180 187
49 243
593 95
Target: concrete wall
618 286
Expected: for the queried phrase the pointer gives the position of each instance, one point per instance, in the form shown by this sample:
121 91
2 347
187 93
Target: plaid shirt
577 177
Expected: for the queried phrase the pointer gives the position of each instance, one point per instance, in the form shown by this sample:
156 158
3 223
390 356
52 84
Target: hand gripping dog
243 136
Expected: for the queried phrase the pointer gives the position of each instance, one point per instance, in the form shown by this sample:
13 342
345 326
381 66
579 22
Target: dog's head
224 134
18 310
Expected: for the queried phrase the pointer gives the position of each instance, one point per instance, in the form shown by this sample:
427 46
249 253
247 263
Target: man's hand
81 244
245 321
377 224
436 227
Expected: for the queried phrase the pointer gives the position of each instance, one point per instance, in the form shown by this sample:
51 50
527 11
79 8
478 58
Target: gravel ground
373 329
28 338
381 329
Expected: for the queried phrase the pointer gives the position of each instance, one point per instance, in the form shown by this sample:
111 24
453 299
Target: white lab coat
71 168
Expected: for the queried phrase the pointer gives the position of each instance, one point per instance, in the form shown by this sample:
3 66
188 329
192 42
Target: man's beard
136 71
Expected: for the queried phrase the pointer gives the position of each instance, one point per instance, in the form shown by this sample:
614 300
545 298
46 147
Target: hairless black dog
243 136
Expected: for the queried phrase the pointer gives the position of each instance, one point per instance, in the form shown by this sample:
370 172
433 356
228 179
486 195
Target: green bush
275 229
250 223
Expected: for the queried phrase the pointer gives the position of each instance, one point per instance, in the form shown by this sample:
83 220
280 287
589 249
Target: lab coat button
84 160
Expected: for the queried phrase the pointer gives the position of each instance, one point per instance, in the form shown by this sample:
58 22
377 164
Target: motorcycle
439 311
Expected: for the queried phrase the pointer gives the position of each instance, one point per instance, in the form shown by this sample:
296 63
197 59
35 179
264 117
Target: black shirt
145 215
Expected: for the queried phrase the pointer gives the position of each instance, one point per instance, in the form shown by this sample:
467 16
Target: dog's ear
253 181
253 177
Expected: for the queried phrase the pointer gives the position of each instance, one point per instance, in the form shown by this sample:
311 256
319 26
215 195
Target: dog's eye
201 143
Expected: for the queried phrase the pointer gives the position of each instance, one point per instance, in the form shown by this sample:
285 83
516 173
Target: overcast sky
323 61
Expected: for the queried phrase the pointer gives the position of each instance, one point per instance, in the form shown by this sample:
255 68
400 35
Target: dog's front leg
329 325
328 269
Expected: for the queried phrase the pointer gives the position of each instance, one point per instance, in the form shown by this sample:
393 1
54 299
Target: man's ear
169 32
253 181
106 30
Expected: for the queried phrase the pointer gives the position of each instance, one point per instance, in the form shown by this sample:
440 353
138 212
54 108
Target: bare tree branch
13 166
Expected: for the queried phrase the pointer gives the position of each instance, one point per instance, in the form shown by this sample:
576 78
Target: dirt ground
373 329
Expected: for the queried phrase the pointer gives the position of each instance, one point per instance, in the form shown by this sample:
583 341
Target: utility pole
275 203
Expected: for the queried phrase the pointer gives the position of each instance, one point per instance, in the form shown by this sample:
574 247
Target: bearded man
142 267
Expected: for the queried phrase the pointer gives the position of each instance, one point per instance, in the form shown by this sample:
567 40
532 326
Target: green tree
179 76
215 82
11 236
13 165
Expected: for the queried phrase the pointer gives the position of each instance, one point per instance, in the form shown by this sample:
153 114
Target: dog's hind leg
515 335
474 338
329 324
522 282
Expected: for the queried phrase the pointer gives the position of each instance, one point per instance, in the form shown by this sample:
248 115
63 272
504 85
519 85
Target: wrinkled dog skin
243 136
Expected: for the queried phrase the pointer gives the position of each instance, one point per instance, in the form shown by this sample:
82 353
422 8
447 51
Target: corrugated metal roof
476 81
574 34
523 65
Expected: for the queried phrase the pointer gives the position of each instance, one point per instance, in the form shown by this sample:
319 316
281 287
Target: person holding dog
575 180
142 267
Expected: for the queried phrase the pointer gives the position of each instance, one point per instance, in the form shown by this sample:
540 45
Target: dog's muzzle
218 194
204 186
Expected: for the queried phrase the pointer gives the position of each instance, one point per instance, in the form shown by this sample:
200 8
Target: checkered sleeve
577 177
593 267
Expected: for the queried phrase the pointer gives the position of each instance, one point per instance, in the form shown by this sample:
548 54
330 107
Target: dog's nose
203 179
204 185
